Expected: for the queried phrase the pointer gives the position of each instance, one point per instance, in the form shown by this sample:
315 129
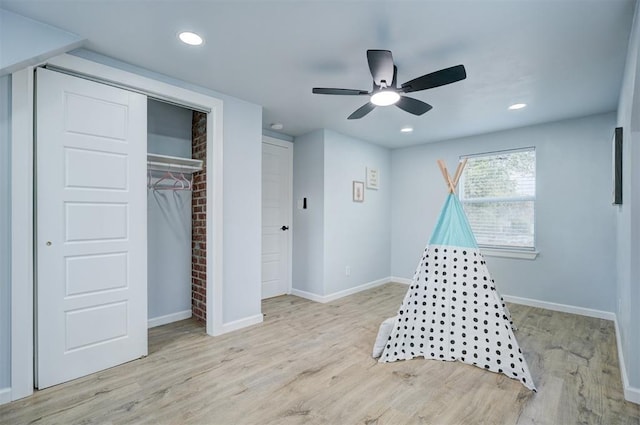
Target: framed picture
373 181
617 166
358 191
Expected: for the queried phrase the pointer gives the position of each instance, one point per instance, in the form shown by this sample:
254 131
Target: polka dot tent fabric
452 310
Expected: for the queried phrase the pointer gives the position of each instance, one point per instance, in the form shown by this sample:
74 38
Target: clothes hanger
170 181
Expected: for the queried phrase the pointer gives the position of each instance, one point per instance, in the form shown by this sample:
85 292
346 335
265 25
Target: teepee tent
452 310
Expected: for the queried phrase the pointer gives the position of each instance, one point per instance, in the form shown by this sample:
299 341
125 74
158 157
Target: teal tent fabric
453 228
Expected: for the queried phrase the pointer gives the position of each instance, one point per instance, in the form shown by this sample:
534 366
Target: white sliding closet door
91 227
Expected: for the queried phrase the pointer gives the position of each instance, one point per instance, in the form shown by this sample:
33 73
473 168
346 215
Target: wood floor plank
310 363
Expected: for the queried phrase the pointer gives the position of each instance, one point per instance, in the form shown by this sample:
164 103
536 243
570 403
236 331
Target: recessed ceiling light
385 98
190 38
517 106
406 129
277 126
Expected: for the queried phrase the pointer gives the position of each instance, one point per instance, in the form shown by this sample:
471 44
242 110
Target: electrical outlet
347 271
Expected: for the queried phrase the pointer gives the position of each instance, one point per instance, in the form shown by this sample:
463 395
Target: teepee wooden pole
452 184
447 177
459 170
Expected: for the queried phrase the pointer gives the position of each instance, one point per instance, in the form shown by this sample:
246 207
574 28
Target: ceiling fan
385 89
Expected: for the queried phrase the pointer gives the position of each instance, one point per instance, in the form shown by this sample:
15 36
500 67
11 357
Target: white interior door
277 162
91 142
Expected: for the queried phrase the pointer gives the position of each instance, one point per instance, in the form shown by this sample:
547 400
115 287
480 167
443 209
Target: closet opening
176 218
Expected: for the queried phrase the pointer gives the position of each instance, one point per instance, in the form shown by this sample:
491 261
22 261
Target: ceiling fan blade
350 92
413 106
362 111
436 79
394 83
381 66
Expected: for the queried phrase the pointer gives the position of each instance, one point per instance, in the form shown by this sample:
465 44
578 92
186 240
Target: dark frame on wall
617 166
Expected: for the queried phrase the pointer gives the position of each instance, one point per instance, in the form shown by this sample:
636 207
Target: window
498 193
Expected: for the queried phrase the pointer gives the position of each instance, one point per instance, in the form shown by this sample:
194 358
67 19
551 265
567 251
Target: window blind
497 191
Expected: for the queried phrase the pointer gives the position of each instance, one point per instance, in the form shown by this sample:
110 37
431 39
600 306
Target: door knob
48 243
283 228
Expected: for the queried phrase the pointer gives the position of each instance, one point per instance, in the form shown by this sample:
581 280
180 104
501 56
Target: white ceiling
564 58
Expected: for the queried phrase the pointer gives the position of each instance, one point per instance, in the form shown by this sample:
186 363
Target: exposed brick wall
198 217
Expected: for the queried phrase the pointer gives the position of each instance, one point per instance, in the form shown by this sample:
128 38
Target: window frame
528 252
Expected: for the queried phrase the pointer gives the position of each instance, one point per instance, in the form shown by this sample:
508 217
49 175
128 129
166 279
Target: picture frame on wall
373 178
358 191
617 166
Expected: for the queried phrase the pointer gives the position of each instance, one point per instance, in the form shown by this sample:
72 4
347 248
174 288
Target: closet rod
154 96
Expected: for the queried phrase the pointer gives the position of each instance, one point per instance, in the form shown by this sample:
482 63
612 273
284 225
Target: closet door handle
283 228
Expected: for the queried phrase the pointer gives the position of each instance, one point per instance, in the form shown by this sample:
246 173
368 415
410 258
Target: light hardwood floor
311 363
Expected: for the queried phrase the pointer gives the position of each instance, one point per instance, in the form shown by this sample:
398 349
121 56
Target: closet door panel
91 227
88 221
87 274
95 170
107 120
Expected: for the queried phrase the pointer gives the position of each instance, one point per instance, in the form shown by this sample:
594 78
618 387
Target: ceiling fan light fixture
190 38
385 98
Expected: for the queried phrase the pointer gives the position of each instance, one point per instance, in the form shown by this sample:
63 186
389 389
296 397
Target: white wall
277 135
5 231
25 42
628 225
168 216
242 289
335 232
168 129
575 231
357 235
308 225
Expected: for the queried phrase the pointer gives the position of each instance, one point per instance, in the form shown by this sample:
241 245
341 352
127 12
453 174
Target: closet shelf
173 163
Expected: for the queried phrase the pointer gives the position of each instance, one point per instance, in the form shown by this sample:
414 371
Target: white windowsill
509 253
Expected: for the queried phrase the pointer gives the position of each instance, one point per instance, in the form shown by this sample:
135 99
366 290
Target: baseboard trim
631 394
5 395
241 323
564 308
336 295
308 295
403 280
169 318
